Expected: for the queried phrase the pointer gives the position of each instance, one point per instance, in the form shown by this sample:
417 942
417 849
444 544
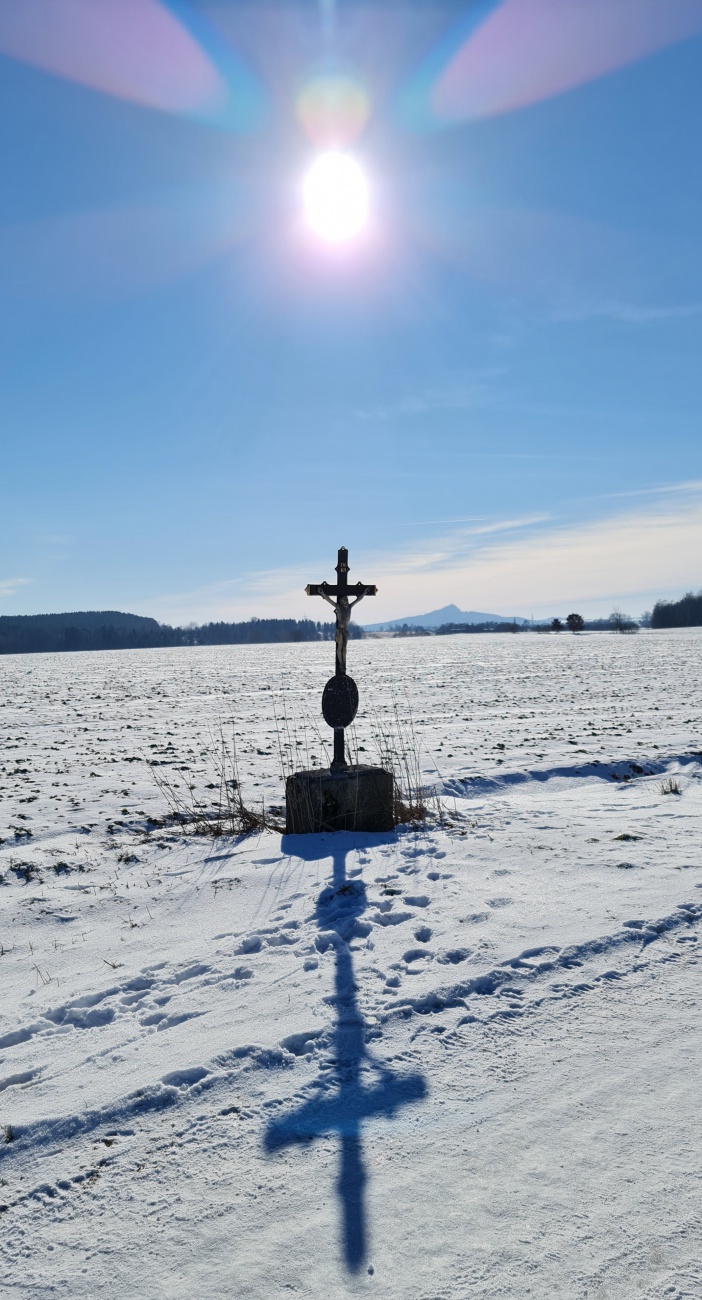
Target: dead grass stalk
227 813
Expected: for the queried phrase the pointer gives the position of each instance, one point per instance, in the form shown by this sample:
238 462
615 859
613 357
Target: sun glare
336 197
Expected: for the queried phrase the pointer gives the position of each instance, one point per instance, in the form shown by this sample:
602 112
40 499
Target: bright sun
336 197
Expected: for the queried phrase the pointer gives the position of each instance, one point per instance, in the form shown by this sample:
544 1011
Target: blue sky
492 397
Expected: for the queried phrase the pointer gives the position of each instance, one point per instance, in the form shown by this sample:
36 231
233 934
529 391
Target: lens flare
332 111
160 55
335 195
507 54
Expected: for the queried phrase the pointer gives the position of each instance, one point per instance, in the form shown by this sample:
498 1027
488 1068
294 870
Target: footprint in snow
454 956
190 973
185 1078
416 954
251 944
301 1044
391 918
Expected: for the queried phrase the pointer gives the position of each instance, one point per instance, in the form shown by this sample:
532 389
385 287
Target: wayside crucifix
344 796
340 699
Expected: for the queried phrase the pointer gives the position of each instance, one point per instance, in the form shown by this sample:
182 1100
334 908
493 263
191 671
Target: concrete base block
353 799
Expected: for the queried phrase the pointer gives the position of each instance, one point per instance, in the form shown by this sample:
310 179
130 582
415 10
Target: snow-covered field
460 1061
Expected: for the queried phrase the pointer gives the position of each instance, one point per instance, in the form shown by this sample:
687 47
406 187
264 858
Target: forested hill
686 612
81 630
112 630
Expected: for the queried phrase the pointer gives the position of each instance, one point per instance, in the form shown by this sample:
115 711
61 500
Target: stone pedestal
353 799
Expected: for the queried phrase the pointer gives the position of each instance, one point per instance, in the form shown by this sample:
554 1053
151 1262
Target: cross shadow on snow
356 1087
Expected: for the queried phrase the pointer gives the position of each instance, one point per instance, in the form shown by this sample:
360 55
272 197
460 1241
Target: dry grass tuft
393 745
399 752
227 813
670 785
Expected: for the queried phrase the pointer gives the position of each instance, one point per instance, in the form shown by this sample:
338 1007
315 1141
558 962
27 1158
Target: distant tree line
112 630
686 612
617 622
447 629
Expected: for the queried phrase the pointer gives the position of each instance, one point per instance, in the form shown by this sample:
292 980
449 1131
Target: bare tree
622 622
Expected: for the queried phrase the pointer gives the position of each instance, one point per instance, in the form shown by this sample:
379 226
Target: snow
455 1061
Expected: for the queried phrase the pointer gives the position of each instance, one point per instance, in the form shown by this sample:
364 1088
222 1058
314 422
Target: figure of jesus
342 607
338 597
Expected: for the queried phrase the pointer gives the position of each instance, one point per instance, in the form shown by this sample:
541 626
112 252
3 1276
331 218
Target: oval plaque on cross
340 701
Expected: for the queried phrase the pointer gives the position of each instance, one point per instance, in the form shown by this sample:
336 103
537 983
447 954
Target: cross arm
327 589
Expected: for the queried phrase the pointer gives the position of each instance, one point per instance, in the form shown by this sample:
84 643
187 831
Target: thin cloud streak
628 313
694 485
10 586
461 396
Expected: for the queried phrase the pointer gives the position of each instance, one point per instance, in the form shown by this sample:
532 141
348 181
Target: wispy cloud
628 313
10 586
462 395
692 486
539 566
630 557
620 560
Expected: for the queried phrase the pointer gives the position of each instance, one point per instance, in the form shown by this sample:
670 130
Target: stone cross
340 699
